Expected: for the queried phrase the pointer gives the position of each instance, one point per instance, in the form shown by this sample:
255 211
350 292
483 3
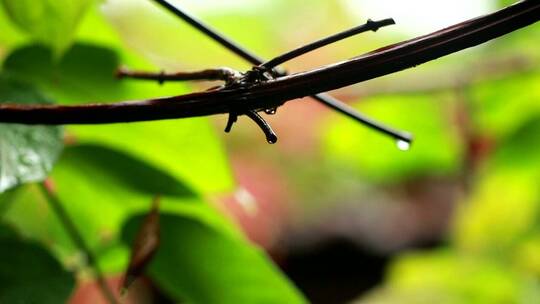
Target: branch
223 74
274 93
324 99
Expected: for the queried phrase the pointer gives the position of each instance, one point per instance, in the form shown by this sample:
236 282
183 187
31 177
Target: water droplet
29 158
271 138
403 145
271 111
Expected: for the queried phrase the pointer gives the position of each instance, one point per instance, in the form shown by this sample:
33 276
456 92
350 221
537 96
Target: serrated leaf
29 274
199 264
51 22
27 153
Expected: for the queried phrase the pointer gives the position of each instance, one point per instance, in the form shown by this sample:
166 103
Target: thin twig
76 237
273 93
370 25
224 74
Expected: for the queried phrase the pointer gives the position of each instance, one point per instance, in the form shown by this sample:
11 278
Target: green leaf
128 171
29 274
10 36
501 106
187 148
504 205
520 150
153 22
436 149
27 153
51 22
199 264
445 277
101 187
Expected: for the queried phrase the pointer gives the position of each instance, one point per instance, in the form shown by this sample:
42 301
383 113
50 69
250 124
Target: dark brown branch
274 93
224 74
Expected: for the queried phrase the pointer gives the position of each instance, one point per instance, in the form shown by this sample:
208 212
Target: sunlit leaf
27 153
29 274
51 22
197 263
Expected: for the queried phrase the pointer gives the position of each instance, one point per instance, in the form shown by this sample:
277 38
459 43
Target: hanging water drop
271 111
403 145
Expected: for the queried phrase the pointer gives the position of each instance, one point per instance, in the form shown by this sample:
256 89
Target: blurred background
348 216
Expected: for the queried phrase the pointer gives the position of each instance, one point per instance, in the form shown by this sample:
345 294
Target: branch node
233 117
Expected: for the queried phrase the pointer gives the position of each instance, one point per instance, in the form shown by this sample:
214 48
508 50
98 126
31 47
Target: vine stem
49 192
273 93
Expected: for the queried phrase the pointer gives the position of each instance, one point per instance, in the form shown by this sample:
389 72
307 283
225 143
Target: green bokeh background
475 116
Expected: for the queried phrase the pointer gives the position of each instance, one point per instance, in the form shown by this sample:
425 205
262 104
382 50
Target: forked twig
272 93
323 98
369 26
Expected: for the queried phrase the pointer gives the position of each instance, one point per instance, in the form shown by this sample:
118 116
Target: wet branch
274 71
275 92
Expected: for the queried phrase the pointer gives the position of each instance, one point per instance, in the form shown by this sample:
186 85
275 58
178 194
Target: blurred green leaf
51 22
116 169
446 278
187 149
503 207
501 106
520 150
100 199
173 53
10 35
86 73
27 152
130 172
501 210
199 264
29 274
436 149
526 255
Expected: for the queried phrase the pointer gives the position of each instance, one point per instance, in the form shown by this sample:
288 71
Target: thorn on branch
233 117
